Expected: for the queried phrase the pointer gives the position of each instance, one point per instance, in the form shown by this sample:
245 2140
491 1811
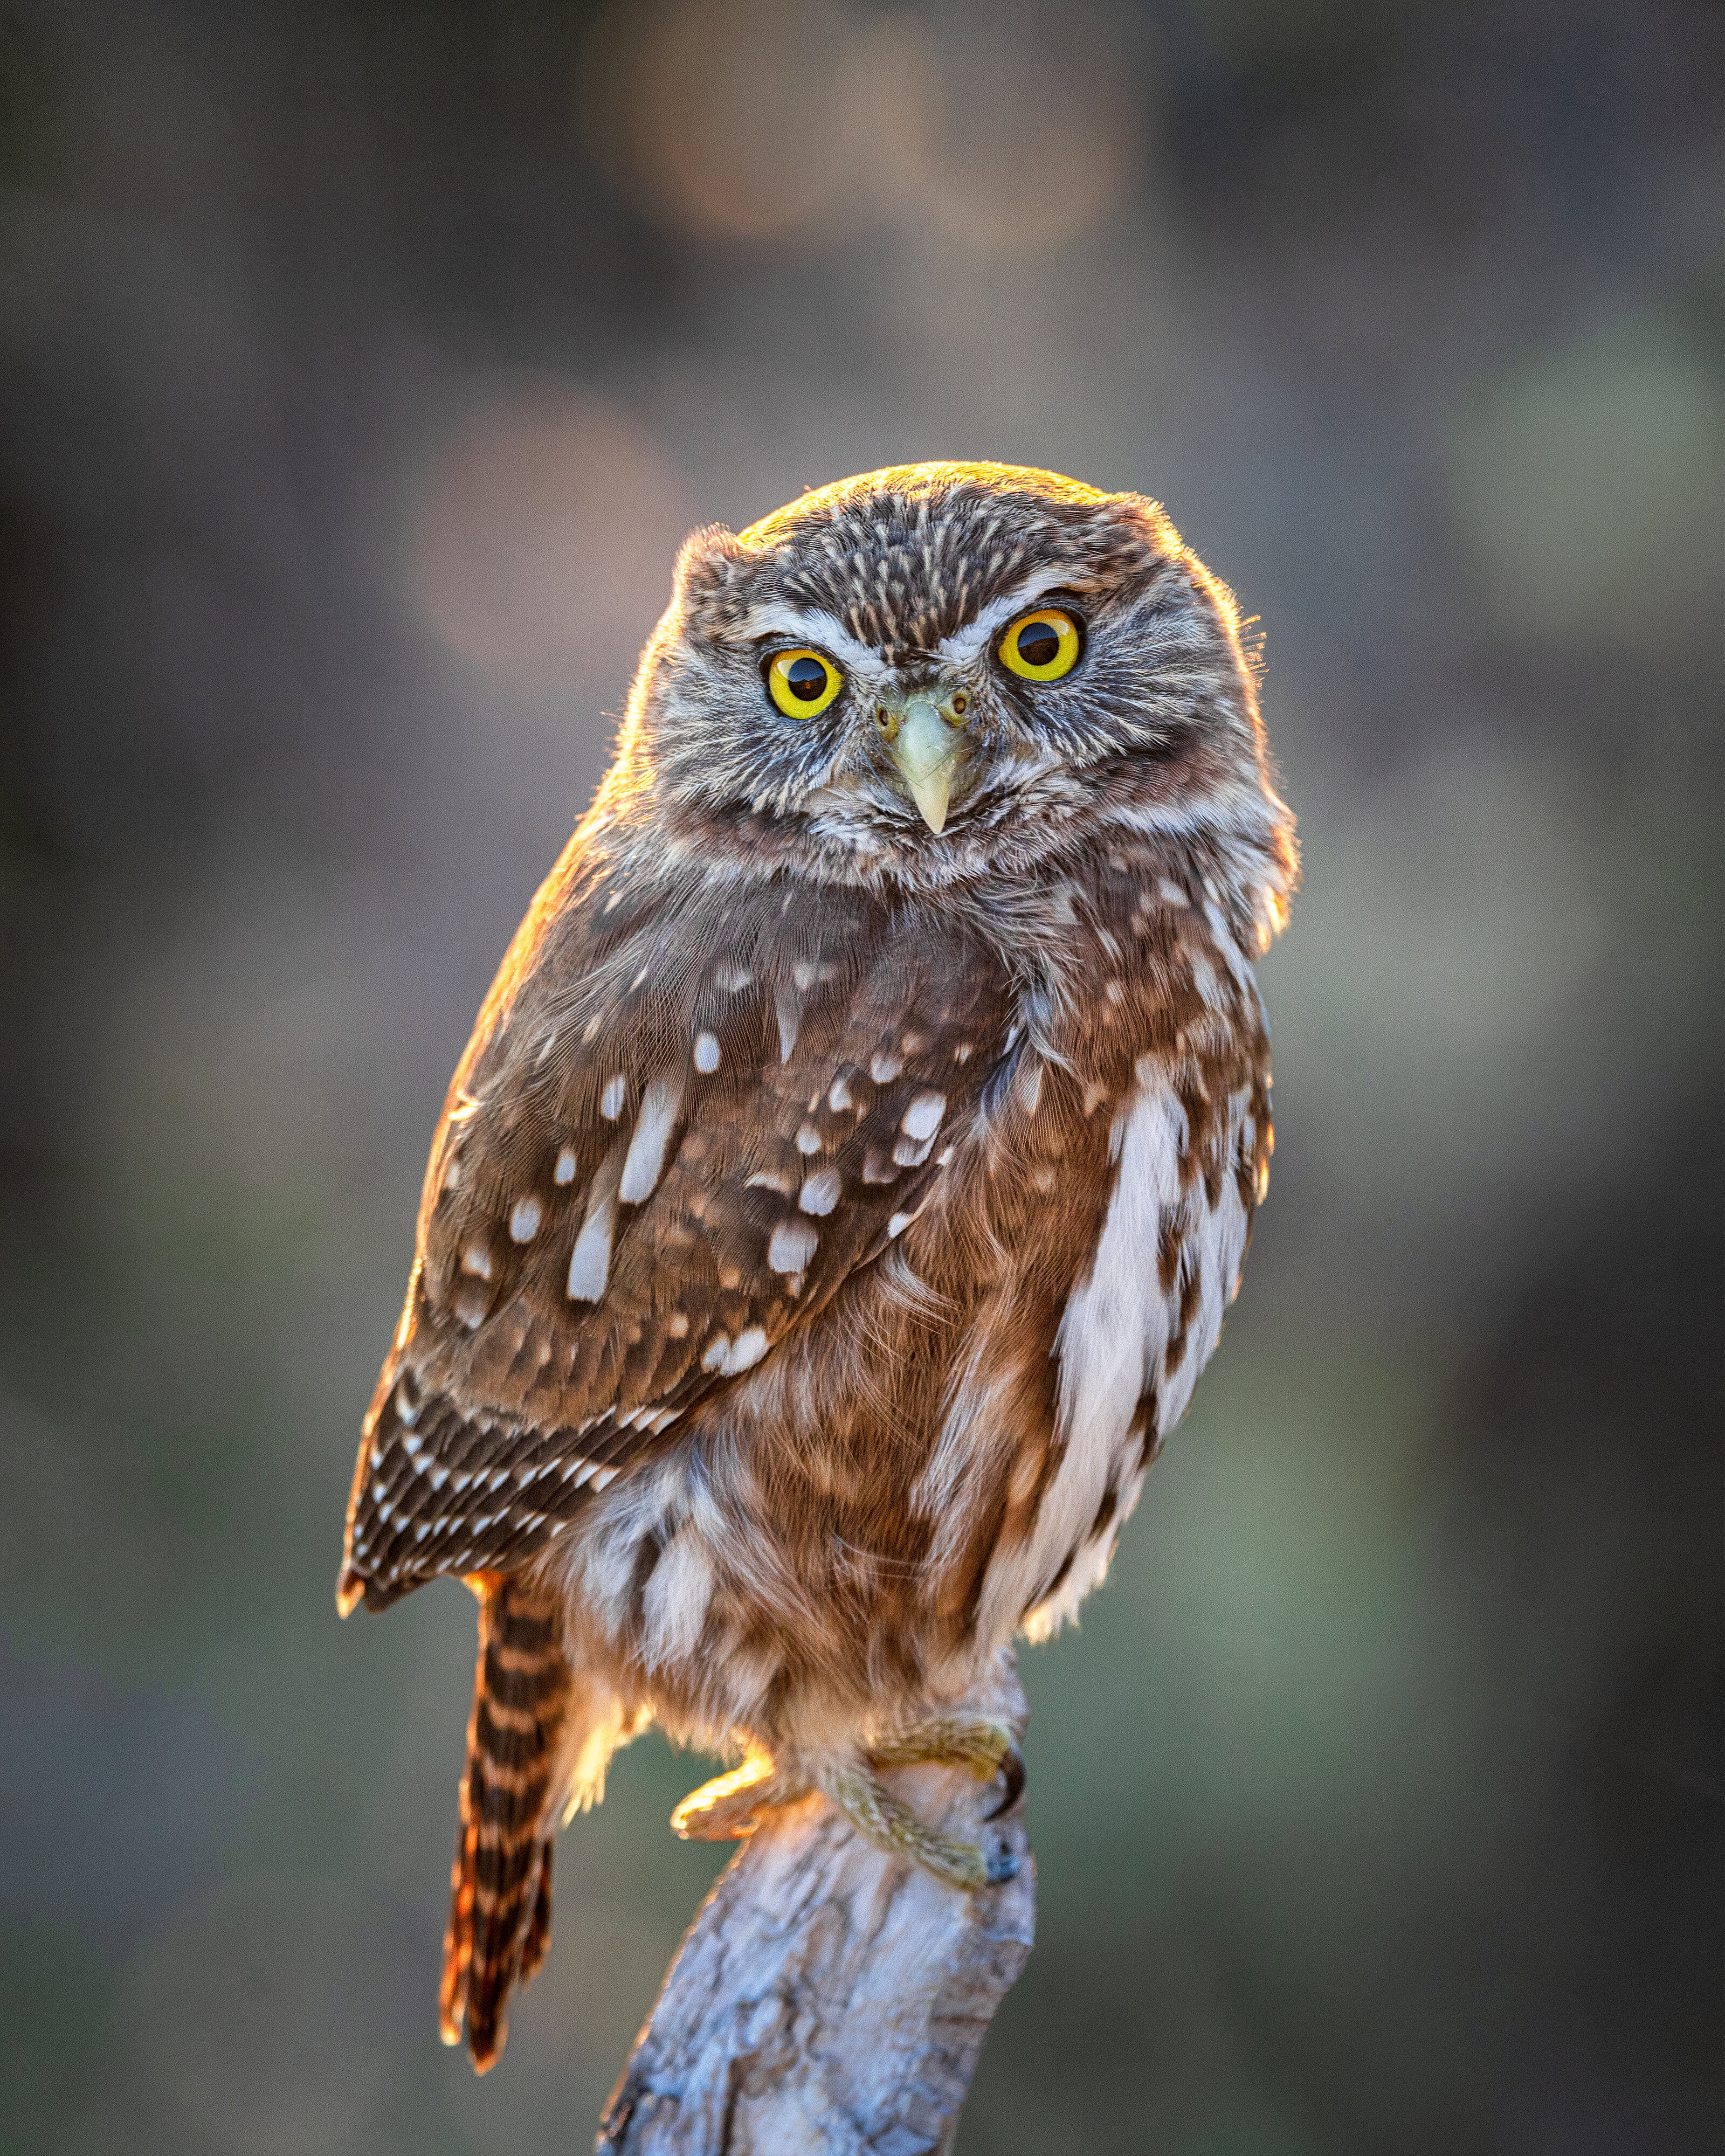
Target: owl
847 1177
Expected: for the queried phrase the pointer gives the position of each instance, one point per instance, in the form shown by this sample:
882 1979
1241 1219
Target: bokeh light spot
545 534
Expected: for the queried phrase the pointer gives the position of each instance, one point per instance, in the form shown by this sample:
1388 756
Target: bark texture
828 1998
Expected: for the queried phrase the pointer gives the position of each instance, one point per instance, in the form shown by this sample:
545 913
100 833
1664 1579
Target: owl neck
1233 832
1020 883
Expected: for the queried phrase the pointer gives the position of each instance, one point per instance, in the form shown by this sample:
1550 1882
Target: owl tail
499 1907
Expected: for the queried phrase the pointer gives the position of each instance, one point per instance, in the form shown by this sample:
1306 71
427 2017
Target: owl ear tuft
708 561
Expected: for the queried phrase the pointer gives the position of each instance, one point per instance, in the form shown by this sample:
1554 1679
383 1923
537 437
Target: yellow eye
1041 646
801 683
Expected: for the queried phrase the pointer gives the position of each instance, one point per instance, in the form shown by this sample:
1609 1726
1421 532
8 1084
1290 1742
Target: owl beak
925 745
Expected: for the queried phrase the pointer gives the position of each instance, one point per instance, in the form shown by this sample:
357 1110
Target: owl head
944 671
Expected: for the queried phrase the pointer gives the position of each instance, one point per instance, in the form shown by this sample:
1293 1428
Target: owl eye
1041 646
803 682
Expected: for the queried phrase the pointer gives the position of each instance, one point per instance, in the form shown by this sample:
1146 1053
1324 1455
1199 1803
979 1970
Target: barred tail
500 1912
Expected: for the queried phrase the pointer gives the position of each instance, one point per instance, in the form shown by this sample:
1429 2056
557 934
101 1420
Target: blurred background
360 366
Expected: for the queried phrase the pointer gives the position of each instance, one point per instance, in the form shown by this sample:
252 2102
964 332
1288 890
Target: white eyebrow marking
813 625
966 644
645 1163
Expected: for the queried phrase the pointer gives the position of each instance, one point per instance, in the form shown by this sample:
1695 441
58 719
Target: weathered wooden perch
828 1998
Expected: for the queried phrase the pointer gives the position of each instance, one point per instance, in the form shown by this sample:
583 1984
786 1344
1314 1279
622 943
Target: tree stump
828 1998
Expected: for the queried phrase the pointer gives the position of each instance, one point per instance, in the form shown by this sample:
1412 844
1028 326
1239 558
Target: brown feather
500 1887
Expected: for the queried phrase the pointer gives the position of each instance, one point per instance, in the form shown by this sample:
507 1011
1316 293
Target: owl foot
987 1747
730 1806
880 1817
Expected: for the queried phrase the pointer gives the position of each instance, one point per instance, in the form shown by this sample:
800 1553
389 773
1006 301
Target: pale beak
926 748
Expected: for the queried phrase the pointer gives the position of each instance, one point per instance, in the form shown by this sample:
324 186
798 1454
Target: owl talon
1011 1771
950 1740
729 1807
882 1819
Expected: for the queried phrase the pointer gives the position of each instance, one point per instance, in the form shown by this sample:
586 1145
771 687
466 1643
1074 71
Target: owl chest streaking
849 1173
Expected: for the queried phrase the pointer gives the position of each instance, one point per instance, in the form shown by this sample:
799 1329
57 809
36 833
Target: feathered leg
499 1912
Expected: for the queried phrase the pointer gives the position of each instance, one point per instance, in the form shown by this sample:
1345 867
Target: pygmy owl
848 1174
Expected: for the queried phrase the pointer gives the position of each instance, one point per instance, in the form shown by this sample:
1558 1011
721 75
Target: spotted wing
682 1124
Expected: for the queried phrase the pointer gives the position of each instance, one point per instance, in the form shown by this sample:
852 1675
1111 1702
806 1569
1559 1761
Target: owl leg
729 1806
987 1747
881 1818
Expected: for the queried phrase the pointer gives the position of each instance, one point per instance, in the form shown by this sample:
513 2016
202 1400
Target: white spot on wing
476 1260
645 1163
745 1351
884 1069
922 1118
590 1261
788 1008
793 1244
524 1219
564 1171
706 1053
821 1192
611 1100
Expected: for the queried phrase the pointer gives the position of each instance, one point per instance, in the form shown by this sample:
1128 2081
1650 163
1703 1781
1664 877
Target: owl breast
947 1458
1135 1335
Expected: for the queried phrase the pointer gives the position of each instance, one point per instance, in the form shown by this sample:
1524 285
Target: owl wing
681 1127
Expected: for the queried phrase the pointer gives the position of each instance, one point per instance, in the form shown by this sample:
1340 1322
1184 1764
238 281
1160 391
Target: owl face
940 669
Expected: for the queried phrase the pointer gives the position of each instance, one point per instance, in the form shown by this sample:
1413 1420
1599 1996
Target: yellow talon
728 1808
